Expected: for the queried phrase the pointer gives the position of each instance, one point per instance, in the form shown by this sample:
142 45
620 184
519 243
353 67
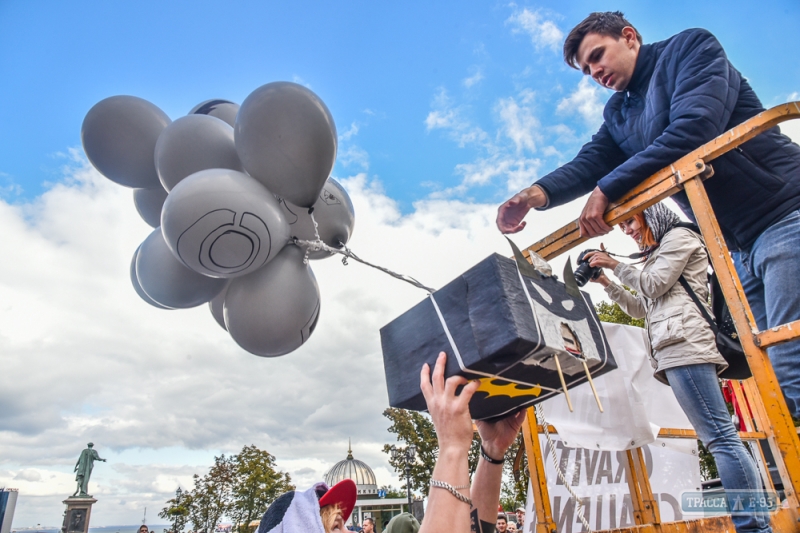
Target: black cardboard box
498 332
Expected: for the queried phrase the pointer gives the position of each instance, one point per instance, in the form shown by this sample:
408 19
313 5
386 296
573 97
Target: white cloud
519 172
472 80
508 155
447 117
28 474
587 101
352 131
300 81
543 32
519 122
353 156
792 129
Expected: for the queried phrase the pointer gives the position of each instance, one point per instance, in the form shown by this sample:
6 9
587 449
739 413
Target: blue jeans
697 389
770 275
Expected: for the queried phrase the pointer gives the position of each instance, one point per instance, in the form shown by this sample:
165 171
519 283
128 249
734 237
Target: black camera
584 272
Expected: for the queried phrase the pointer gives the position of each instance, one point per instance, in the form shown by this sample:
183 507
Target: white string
539 412
317 245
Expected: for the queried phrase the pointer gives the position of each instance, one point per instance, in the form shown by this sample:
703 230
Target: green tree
392 492
514 490
414 428
211 496
177 511
612 312
256 484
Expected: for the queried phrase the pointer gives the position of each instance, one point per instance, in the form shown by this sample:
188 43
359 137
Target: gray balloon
275 310
334 214
164 279
191 144
286 139
138 288
221 109
216 305
149 203
223 223
119 137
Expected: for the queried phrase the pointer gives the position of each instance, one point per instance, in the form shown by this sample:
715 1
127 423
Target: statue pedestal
76 517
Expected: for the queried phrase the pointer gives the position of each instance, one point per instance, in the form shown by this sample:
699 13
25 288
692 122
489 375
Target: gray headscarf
660 219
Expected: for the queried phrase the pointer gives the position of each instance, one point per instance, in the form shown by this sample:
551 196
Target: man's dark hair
371 521
502 517
608 23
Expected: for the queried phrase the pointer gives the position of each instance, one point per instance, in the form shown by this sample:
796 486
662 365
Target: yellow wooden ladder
768 417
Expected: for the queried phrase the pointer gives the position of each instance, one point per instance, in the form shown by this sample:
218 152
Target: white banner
635 404
590 445
599 479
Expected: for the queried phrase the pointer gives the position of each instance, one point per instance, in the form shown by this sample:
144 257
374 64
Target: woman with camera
683 346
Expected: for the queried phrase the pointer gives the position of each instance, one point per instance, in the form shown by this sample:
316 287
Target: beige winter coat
679 335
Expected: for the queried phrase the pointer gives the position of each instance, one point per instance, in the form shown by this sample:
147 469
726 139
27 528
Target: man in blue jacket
672 97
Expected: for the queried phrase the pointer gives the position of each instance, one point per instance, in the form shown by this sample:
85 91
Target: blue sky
443 109
378 66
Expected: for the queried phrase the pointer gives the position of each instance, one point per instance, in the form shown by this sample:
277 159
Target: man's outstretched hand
511 213
591 220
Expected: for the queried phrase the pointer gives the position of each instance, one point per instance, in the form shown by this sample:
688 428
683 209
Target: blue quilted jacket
684 92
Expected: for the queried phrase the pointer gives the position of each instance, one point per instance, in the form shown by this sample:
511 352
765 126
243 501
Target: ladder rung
778 334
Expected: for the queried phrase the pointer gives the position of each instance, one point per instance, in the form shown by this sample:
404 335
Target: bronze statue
84 470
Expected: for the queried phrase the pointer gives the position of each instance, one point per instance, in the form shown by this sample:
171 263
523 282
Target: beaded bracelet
452 490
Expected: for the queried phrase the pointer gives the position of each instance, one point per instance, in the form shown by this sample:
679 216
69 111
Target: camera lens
582 274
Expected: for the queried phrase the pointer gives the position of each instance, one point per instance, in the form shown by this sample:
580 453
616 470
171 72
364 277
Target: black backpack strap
696 300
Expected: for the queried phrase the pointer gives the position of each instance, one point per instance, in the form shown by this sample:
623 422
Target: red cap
343 493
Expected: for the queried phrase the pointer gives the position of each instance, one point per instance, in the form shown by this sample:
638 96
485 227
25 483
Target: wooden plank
675 433
541 495
650 512
744 408
637 501
778 335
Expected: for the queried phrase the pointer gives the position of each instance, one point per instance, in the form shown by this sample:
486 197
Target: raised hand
450 412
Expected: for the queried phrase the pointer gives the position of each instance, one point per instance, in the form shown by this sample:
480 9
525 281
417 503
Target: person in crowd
143 529
403 523
520 518
512 527
502 523
317 510
455 505
683 346
672 97
369 525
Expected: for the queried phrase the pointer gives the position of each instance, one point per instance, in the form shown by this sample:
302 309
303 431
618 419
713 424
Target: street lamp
408 458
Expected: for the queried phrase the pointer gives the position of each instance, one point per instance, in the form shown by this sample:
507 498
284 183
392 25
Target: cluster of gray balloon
229 190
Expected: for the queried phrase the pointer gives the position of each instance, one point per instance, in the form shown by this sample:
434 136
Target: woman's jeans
770 275
697 389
